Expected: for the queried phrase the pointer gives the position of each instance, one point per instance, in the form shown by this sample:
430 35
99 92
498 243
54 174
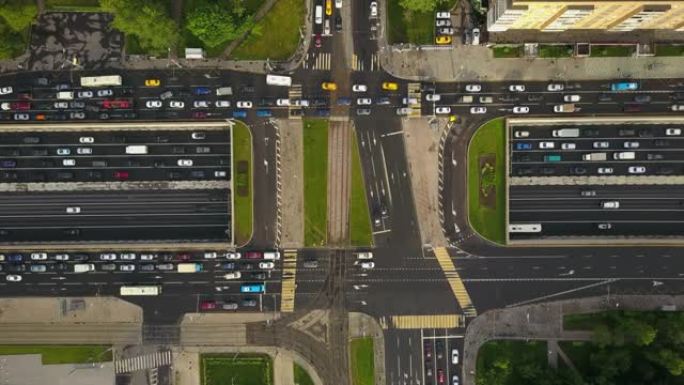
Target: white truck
136 149
190 267
465 99
566 133
567 107
594 156
84 267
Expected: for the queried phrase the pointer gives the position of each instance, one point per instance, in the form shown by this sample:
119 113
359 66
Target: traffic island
315 139
242 164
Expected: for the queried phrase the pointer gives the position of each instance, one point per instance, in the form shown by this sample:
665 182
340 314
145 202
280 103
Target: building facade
558 16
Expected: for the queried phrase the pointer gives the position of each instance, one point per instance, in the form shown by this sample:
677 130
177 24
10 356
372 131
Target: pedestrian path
289 284
432 321
455 281
358 63
147 361
318 61
294 93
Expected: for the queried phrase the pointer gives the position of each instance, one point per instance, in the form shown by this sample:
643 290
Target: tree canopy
18 13
147 19
420 5
215 25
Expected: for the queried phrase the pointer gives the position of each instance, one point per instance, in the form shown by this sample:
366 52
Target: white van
364 255
272 255
221 91
65 95
319 14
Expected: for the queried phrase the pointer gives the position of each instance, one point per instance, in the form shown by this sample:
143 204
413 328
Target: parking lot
605 178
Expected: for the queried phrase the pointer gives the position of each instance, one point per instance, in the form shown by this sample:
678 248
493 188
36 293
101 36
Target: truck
84 267
190 267
594 156
624 155
566 133
563 108
465 99
136 149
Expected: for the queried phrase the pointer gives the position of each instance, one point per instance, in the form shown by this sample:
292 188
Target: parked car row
142 256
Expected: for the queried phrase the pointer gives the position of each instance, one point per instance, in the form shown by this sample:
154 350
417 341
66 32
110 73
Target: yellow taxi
329 86
328 7
152 83
443 40
390 86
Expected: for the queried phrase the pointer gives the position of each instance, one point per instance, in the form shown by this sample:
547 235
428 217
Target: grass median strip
242 171
236 369
363 366
62 354
315 139
359 218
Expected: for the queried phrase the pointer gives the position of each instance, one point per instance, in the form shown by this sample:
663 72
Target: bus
278 80
253 288
140 290
525 228
101 81
624 86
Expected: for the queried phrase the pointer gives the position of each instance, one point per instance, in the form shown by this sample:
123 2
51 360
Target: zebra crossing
318 61
147 361
288 287
294 93
358 64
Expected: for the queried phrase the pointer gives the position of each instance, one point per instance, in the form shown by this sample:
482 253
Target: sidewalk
363 325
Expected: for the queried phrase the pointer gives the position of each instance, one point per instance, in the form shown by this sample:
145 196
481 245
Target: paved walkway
363 325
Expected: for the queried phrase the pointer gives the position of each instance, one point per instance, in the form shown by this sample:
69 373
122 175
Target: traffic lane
423 294
643 133
591 204
441 353
132 232
602 191
634 227
403 359
577 213
265 139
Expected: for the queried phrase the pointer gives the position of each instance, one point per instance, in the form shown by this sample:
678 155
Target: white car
443 110
473 88
148 257
244 104
602 144
233 275
454 356
555 87
409 101
103 93
68 162
547 145
210 255
433 97
13 278
403 111
521 110
61 105
63 151
364 101
185 162
108 256
128 256
605 226
677 107
521 134
38 256
220 174
631 144
84 150
605 170
571 98
266 265
610 205
200 104
61 257
568 146
673 131
233 255
516 88
176 104
198 135
129 267
153 104
338 4
73 210
636 170
367 265
374 9
5 90
282 102
442 15
359 88
222 104
84 94
478 110
86 139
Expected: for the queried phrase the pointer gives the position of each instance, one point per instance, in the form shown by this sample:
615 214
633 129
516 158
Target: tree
668 359
214 24
12 43
147 19
18 14
420 5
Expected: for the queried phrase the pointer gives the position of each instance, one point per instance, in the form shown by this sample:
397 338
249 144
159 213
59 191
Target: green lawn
236 369
242 166
362 365
487 221
276 36
412 27
611 50
359 219
669 50
301 376
62 354
555 50
73 5
503 355
507 51
315 138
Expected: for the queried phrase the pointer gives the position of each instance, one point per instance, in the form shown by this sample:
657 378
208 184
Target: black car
247 266
61 266
258 275
266 102
590 132
249 302
338 23
247 88
72 232
228 266
627 132
80 257
318 102
645 133
662 143
174 175
108 267
605 98
64 175
383 101
578 170
178 150
166 257
16 267
39 152
147 267
94 175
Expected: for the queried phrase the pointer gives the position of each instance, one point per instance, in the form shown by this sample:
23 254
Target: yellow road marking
288 287
455 282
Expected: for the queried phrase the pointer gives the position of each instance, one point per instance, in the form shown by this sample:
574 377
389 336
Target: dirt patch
487 171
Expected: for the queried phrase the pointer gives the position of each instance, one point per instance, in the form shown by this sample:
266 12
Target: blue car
264 113
228 266
344 101
15 258
202 91
322 112
239 114
523 146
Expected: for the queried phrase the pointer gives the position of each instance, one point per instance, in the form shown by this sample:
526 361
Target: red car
207 305
318 42
16 106
116 103
183 257
121 175
253 255
440 376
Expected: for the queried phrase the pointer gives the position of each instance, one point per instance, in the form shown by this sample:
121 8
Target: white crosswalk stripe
147 361
322 61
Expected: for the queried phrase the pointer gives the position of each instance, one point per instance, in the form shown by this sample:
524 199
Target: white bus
525 228
101 81
278 80
140 290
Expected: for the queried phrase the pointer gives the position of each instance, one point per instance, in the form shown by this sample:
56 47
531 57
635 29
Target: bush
18 14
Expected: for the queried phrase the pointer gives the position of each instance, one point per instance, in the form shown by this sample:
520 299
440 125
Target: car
13 278
390 86
153 104
86 139
555 87
571 98
185 162
523 146
547 145
655 156
201 91
21 117
454 356
645 133
128 256
363 111
61 267
642 98
673 131
374 9
248 302
222 104
266 265
116 103
359 88
152 82
39 256
403 111
636 169
210 255
661 143
440 376
6 90
220 174
610 204
338 4
364 101
631 144
197 135
329 86
604 226
443 23
84 151
233 255
61 105
367 265
127 267
478 110
147 267
444 110
201 104
282 102
104 93
38 268
148 257
433 97
165 266
442 15
63 151
473 88
318 40
521 134
208 305
578 170
253 255
568 146
443 40
590 132
521 110
486 99
232 275
73 210
476 36
108 256
429 372
77 115
605 170
454 380
230 266
244 104
588 193
409 101
601 144
121 175
516 88
176 104
62 257
677 107
69 162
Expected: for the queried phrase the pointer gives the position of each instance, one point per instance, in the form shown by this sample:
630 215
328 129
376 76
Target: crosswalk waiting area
147 361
